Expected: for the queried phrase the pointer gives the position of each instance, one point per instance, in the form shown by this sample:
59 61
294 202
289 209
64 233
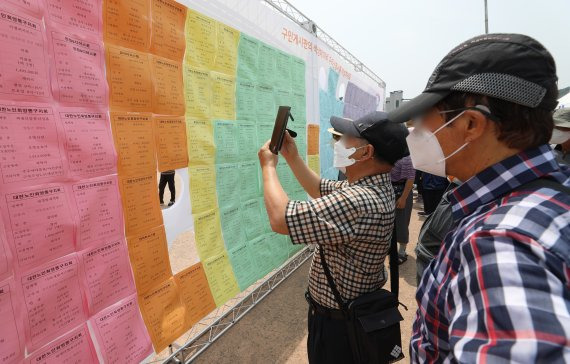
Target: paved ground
275 331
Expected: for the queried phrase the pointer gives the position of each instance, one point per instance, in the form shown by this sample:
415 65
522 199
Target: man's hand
401 203
289 148
266 157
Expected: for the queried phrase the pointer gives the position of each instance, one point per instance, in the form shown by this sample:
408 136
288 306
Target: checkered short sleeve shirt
353 224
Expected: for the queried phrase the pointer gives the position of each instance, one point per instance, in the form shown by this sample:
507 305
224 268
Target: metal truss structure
299 18
200 342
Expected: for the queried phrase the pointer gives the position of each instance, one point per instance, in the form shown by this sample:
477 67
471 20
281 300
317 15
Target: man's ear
368 152
476 124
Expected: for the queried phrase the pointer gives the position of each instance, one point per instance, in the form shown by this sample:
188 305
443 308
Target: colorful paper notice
121 333
88 142
261 255
227 49
78 75
5 256
266 66
73 347
249 180
195 293
200 40
78 16
52 298
163 313
149 258
265 103
202 188
31 150
197 92
167 34
31 6
245 100
221 278
247 57
39 215
129 77
127 23
228 190
314 164
106 274
99 216
23 63
135 142
232 226
208 233
243 266
312 139
200 136
223 96
247 142
283 68
298 75
168 95
170 135
226 139
11 331
141 207
251 218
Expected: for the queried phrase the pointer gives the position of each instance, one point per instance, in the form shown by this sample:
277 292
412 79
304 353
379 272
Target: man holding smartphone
350 221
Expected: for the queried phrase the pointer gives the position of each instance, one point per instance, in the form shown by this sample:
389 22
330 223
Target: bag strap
394 272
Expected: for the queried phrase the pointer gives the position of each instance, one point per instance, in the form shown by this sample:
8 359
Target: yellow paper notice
208 232
223 96
197 92
221 278
226 55
200 40
202 188
314 163
201 147
164 313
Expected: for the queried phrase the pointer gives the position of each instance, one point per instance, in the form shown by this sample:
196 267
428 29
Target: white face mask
426 152
342 154
559 136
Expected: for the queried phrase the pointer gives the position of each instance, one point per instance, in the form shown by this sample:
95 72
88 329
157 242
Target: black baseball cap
511 67
388 138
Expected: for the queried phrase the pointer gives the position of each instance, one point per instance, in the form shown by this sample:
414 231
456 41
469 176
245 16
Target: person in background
498 290
433 188
561 136
167 177
403 175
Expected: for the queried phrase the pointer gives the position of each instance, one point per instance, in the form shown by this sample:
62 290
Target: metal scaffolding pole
299 18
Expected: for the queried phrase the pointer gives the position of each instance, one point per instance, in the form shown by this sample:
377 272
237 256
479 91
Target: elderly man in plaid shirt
350 221
499 290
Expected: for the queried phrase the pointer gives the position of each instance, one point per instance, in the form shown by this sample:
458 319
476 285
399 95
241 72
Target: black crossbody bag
373 319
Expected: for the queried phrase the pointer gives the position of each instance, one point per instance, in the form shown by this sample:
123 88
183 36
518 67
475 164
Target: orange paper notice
134 142
149 258
167 35
140 203
195 293
170 134
164 314
168 96
129 77
127 23
313 139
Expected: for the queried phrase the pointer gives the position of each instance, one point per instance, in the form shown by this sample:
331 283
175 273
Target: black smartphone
279 128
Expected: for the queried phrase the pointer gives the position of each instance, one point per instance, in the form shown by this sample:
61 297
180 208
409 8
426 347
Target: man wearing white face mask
498 291
350 221
561 136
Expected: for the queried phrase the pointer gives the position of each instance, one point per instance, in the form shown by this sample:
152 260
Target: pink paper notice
29 144
99 212
52 297
88 142
78 76
73 347
5 256
11 332
121 333
28 5
107 274
76 15
39 225
23 66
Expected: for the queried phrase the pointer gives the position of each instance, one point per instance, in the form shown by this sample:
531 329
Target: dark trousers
164 179
328 340
431 199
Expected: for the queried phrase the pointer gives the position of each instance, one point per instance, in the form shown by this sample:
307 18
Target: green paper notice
226 186
226 140
232 227
243 266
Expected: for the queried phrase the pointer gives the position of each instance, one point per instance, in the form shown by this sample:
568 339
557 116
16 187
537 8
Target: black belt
324 311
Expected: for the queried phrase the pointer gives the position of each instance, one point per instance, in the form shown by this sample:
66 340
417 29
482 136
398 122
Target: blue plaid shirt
499 289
